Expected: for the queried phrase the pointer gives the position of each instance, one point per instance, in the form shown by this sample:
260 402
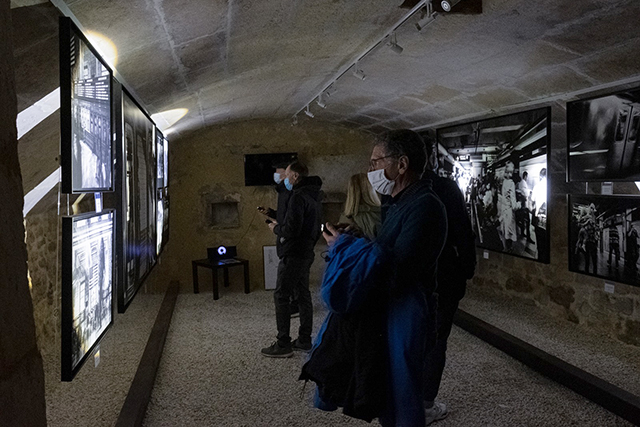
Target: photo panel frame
87 286
603 236
86 142
602 137
501 165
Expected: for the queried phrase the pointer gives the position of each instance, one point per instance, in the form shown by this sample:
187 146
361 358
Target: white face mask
380 182
277 178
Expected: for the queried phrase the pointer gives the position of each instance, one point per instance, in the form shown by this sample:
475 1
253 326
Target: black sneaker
297 345
275 350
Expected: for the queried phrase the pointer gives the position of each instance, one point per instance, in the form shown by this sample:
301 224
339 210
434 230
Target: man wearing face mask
297 234
278 215
398 270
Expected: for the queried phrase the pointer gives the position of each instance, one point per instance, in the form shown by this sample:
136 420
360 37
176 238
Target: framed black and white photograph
603 236
602 137
139 198
160 158
85 114
87 286
500 165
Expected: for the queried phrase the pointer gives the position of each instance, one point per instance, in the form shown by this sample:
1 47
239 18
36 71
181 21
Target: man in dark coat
410 240
456 265
297 236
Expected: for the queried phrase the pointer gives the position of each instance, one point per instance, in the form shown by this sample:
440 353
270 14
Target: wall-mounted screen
603 236
500 165
139 198
87 283
85 114
259 168
602 137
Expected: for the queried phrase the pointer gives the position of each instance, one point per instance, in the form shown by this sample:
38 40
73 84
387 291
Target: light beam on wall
105 47
34 196
29 118
168 118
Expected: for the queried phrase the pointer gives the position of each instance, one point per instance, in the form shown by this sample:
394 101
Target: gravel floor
212 374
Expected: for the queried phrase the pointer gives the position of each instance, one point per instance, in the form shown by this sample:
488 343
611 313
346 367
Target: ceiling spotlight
357 72
320 102
294 120
426 18
393 44
448 4
309 113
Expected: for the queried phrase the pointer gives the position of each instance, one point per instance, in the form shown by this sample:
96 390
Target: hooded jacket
300 229
283 201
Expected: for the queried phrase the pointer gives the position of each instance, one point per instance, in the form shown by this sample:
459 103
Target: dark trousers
591 255
436 358
293 274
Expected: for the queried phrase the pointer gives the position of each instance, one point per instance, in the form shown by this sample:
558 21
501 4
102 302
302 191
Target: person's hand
264 211
272 225
331 238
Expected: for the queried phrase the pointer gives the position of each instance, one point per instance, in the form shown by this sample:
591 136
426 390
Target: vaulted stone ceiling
243 59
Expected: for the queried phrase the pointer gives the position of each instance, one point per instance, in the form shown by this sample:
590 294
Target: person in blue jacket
396 274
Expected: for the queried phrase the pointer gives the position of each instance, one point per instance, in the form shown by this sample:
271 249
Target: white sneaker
436 413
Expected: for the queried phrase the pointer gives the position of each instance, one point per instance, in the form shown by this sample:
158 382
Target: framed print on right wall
602 138
603 236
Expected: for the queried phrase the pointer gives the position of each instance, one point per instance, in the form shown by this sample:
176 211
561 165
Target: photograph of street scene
603 236
91 162
500 165
92 282
603 138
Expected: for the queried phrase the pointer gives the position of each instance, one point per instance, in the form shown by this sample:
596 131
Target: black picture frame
87 239
136 150
595 224
86 123
602 138
475 154
160 141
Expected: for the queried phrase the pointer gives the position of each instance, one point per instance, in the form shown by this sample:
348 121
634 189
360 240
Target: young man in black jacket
455 266
297 236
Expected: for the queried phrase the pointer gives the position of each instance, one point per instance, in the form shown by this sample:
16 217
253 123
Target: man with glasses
405 252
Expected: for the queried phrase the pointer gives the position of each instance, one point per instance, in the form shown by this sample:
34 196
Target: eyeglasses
374 162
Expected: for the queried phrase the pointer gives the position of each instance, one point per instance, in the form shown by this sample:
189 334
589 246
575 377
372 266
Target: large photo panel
139 196
87 286
500 165
602 138
85 114
603 236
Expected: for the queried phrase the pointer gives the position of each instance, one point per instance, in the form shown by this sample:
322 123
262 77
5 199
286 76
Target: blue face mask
288 184
277 178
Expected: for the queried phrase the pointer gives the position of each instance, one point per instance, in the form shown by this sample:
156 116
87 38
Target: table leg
196 288
215 283
226 276
246 278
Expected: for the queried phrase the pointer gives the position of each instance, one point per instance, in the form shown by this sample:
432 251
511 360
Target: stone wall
552 287
207 166
21 373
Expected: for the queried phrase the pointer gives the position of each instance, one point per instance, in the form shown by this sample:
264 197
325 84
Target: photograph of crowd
603 236
91 160
500 165
91 288
603 138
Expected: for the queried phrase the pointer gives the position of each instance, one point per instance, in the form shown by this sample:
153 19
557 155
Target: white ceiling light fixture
427 17
357 72
321 102
294 120
393 44
448 4
308 112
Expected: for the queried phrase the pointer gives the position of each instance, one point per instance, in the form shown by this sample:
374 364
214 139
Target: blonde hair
359 191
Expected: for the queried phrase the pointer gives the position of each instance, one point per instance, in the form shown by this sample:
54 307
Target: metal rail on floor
135 405
605 394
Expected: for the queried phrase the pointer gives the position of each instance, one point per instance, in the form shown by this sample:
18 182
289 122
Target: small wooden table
214 267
